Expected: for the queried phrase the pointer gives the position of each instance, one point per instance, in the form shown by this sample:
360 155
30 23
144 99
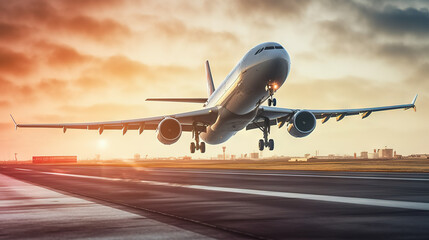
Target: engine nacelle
169 131
302 124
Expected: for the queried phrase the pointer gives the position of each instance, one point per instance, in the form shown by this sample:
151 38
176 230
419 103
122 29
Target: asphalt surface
228 204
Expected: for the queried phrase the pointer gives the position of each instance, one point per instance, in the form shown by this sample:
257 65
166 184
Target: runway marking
316 197
298 175
23 169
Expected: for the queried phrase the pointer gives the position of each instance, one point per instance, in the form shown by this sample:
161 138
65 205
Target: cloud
106 30
87 5
173 28
57 18
12 32
395 21
58 55
4 104
420 78
276 8
98 112
342 38
15 63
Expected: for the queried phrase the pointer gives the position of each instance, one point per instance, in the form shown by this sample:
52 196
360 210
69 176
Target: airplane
236 104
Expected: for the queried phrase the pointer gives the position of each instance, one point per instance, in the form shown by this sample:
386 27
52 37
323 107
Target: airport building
54 159
387 153
364 155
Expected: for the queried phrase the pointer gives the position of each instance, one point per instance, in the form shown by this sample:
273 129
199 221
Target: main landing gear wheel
197 145
261 145
203 147
192 147
265 128
271 144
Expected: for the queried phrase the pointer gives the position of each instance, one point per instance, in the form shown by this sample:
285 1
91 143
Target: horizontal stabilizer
188 100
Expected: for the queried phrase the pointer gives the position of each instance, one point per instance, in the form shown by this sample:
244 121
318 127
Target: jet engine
302 124
169 131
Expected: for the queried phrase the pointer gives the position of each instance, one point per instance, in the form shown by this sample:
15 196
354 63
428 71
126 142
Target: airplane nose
286 56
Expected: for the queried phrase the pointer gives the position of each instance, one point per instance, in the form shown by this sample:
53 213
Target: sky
87 60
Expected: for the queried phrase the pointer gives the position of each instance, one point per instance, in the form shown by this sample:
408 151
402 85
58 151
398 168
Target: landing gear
271 89
272 101
263 143
197 145
192 147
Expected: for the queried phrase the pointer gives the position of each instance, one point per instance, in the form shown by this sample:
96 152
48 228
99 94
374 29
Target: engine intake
302 124
169 131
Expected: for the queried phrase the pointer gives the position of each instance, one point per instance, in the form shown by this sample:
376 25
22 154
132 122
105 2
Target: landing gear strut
272 100
265 128
197 145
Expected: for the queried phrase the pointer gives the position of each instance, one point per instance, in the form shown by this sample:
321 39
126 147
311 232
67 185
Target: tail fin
210 85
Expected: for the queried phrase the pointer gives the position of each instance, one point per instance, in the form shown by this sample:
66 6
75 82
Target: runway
251 204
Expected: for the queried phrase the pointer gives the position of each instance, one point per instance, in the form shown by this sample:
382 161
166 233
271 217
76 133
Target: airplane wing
283 115
201 117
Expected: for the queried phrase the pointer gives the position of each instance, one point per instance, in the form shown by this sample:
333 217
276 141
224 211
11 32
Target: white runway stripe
315 197
295 175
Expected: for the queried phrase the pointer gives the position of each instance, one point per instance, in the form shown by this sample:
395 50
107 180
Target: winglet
14 122
414 100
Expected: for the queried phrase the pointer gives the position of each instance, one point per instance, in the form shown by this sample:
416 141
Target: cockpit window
259 50
268 48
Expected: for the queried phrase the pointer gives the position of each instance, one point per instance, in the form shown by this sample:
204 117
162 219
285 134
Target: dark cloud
15 63
12 32
395 21
54 19
401 52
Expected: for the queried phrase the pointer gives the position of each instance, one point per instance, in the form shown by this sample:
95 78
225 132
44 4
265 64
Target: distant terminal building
254 155
298 159
137 157
386 153
54 159
364 155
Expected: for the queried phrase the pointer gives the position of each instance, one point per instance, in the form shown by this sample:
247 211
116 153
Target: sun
102 144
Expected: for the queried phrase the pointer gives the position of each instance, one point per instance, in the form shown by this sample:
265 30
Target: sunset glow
81 61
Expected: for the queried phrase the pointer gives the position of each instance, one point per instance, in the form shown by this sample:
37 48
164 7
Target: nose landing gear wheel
269 102
274 102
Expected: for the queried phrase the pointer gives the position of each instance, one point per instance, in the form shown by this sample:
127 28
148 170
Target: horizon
100 60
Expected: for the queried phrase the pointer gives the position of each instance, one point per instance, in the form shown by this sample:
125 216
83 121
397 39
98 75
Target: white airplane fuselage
245 89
